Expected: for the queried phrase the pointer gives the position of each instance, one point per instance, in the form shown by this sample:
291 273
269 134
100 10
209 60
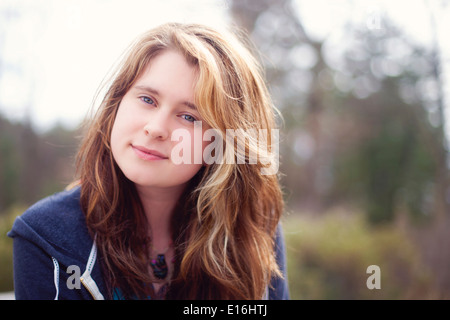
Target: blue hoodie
52 244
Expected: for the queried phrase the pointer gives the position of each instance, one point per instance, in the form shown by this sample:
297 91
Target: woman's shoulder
56 221
61 210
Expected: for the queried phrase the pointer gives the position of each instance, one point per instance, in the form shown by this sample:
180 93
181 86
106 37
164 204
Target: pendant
159 266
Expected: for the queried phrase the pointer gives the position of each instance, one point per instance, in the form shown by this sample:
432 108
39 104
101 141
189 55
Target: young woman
167 205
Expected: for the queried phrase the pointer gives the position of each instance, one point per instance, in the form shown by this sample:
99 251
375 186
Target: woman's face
160 102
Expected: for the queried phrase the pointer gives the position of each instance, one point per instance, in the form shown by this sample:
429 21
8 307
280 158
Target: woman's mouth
148 154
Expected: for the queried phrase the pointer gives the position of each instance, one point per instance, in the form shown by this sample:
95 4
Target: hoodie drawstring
85 278
56 276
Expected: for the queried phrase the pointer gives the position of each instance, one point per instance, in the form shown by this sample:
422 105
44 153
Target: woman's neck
159 205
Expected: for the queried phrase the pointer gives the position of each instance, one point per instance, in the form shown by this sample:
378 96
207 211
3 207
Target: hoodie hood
54 229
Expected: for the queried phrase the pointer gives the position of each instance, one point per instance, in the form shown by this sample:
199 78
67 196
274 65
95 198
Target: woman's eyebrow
146 88
190 105
155 92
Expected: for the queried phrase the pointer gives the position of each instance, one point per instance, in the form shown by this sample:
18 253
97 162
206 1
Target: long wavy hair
224 225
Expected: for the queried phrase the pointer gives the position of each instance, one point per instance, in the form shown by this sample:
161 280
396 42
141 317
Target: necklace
159 265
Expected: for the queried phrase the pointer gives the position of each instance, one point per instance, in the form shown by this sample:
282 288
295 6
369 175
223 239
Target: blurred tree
9 165
441 150
33 165
389 166
362 124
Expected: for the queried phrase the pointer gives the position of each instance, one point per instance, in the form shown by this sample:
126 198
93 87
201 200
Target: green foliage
390 165
33 165
6 249
328 257
10 164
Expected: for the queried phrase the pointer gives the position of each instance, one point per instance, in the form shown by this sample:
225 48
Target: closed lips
148 152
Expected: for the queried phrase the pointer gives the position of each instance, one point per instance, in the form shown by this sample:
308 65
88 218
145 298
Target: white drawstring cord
85 278
56 276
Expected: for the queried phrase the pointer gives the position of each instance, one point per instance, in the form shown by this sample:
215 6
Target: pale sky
58 52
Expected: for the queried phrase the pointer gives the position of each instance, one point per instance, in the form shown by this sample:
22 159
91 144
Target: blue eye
188 117
148 100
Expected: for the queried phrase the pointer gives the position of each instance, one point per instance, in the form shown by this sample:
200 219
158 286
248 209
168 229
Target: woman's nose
157 127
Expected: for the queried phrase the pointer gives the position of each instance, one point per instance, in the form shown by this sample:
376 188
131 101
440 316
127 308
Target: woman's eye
188 117
148 100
